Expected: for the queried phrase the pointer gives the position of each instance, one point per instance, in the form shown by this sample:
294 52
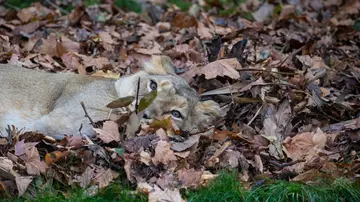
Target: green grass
183 5
225 188
128 5
114 192
282 191
20 3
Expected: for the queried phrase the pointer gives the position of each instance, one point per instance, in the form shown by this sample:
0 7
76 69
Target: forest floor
287 76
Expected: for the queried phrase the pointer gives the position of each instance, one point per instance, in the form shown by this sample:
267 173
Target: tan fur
50 102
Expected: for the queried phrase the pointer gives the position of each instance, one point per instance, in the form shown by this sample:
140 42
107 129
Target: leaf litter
288 77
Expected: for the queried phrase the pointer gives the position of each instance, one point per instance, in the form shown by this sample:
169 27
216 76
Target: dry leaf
22 183
189 177
157 195
71 61
109 132
106 38
6 169
104 177
132 125
181 146
55 156
33 164
21 147
86 177
70 45
163 153
275 127
224 67
26 14
264 12
108 74
204 32
301 145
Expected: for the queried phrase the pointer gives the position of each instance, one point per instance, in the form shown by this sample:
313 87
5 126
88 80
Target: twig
283 165
137 96
256 114
86 114
291 55
63 11
231 94
263 70
82 135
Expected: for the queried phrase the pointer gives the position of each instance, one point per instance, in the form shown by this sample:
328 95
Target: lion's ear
209 107
160 64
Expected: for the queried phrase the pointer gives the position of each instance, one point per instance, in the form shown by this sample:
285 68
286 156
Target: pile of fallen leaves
288 81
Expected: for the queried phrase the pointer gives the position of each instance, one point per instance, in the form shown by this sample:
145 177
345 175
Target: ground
286 74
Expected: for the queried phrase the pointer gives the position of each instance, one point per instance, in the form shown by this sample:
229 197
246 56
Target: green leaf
146 101
120 151
121 102
357 25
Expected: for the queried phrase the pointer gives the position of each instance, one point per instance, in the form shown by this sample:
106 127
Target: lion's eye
176 114
153 85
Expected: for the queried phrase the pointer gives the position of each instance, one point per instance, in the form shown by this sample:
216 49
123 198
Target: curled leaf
146 101
55 156
121 102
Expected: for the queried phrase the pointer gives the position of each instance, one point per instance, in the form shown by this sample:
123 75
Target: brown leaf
204 32
109 132
49 46
108 74
138 143
71 61
286 12
99 62
75 141
275 127
314 62
304 144
128 158
145 158
26 14
104 177
259 163
70 45
55 156
224 67
310 176
29 45
163 153
76 14
27 29
33 164
132 125
156 194
181 146
230 159
182 20
86 177
189 177
106 38
4 141
6 169
22 183
21 147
